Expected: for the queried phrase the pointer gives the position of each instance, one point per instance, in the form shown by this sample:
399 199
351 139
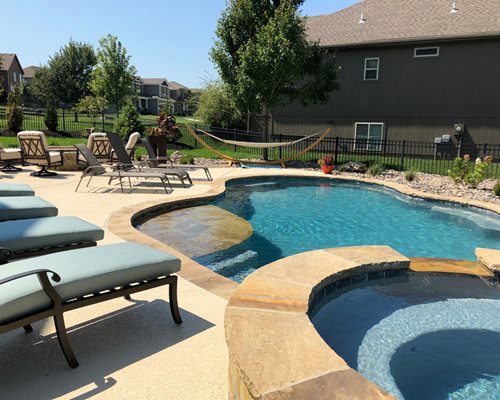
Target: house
152 93
11 73
413 70
179 94
29 73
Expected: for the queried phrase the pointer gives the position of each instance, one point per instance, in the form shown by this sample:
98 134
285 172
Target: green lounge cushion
16 189
24 207
82 271
38 233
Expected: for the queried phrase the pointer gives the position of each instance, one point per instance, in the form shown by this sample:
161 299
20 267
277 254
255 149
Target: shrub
129 120
496 189
50 119
13 112
186 160
375 169
326 160
467 173
410 174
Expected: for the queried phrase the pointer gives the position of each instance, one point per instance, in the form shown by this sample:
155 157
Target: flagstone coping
490 258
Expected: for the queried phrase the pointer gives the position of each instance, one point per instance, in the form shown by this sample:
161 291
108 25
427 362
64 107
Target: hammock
237 161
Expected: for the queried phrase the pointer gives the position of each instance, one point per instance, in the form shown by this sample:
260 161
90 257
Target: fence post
234 138
403 148
485 146
64 122
335 157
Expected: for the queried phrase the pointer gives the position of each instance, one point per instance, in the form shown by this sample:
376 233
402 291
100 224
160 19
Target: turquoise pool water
419 336
291 215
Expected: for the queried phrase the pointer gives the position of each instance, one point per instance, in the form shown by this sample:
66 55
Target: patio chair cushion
9 154
38 233
82 271
24 207
16 189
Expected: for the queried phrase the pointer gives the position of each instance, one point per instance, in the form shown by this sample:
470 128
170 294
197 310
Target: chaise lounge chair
25 207
38 236
8 156
16 189
125 160
156 162
48 286
95 168
35 150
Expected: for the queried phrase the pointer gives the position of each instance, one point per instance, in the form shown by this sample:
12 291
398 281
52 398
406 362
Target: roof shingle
389 21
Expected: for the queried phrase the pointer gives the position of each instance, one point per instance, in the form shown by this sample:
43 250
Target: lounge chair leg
62 336
174 307
28 328
121 184
127 297
130 183
88 183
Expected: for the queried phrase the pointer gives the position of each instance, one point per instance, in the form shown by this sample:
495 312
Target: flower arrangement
166 127
326 160
467 173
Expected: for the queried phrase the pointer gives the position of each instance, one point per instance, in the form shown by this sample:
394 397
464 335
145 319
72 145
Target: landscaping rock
353 166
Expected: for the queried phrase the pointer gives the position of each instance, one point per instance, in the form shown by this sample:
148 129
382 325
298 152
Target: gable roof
154 81
176 86
8 59
29 72
391 21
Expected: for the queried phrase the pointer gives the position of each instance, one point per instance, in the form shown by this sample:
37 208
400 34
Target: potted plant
166 132
326 164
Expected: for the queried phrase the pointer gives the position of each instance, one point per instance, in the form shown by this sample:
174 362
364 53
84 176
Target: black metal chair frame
31 148
126 163
154 161
59 307
95 168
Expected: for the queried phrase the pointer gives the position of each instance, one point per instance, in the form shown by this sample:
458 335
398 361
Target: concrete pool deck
130 349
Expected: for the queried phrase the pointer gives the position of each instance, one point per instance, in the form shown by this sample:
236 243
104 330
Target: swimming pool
293 215
419 336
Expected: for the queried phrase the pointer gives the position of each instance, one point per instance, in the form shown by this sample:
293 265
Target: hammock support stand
235 161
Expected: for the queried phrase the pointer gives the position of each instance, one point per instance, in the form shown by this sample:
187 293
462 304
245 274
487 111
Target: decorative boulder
354 166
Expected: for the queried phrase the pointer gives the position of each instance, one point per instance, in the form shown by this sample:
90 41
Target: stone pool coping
122 222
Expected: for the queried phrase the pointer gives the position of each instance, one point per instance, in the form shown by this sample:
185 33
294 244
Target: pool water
293 215
432 337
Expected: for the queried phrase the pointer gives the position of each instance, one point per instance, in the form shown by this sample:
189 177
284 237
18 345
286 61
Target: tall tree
113 76
263 55
65 79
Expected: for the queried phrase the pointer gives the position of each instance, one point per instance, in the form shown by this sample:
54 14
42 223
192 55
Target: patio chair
100 147
8 156
125 160
156 162
37 236
35 151
48 286
16 189
95 168
130 146
25 207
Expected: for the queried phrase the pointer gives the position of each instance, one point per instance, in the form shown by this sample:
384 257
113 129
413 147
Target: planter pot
327 169
159 144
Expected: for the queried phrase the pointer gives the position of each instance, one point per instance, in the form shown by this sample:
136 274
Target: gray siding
150 90
417 98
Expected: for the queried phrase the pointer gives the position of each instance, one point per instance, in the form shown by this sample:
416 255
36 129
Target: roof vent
454 8
362 19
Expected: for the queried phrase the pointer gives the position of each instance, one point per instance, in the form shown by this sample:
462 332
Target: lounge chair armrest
122 166
39 272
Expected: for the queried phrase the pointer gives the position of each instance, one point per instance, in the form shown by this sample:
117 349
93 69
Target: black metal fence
427 157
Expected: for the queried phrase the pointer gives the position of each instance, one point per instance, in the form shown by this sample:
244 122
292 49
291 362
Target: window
371 69
15 76
368 136
426 52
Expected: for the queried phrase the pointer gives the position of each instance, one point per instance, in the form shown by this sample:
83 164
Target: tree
51 118
1 79
129 120
13 112
66 77
168 106
113 76
93 106
216 108
263 55
193 102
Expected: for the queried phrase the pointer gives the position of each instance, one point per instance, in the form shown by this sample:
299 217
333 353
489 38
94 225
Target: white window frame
426 55
371 69
365 148
14 75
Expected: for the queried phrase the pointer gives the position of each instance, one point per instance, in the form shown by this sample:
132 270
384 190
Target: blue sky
171 39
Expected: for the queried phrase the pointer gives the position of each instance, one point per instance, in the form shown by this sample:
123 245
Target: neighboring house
413 70
152 94
11 73
29 73
180 94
